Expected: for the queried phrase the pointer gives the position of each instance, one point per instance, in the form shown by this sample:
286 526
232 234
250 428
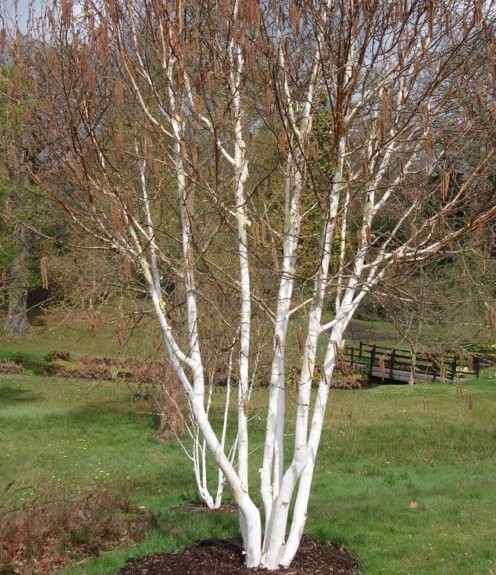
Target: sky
23 9
20 10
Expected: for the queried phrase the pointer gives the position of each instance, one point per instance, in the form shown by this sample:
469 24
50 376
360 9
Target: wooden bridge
396 366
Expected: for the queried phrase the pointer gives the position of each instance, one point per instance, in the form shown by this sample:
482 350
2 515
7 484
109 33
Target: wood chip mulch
225 557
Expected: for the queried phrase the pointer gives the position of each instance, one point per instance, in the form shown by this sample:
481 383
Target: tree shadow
10 394
35 316
37 297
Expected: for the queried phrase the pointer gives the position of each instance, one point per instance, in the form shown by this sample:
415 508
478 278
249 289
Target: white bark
394 94
249 521
273 461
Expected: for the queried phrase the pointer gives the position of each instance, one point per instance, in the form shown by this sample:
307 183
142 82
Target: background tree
24 217
149 114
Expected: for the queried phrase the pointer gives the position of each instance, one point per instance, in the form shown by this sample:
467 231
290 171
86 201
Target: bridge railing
397 365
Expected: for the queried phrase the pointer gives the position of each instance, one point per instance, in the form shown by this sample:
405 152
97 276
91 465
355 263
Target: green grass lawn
405 480
106 331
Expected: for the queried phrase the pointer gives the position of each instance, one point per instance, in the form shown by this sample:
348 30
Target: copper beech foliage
271 160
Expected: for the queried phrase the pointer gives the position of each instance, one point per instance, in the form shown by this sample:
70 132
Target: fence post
392 359
453 368
477 365
360 350
372 360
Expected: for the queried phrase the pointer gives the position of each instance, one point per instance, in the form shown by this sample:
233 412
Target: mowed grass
406 476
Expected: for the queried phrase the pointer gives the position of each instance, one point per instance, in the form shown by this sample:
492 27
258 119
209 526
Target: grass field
405 480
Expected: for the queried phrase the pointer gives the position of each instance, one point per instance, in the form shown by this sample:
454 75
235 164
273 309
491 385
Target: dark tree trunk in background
17 318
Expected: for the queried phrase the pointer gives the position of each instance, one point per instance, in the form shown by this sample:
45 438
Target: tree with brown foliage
150 113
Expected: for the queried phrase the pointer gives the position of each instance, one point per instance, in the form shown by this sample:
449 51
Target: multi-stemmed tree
152 116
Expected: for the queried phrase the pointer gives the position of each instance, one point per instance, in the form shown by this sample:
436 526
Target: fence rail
398 365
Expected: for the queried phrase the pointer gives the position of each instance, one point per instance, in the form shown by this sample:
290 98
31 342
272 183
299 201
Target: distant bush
10 367
58 354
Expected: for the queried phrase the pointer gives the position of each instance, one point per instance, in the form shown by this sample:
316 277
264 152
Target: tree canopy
152 120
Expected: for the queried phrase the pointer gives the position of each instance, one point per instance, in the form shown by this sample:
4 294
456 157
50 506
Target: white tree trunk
137 106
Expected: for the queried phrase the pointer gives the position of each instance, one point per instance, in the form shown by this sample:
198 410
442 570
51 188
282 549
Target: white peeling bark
276 545
387 86
277 487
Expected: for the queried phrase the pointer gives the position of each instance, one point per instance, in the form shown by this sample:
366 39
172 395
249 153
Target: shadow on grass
17 395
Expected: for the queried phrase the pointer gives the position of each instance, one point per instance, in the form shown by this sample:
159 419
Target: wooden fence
396 365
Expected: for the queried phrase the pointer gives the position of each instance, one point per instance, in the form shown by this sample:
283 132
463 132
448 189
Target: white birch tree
151 113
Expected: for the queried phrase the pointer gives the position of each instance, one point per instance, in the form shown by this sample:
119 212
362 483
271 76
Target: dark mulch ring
225 557
197 506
